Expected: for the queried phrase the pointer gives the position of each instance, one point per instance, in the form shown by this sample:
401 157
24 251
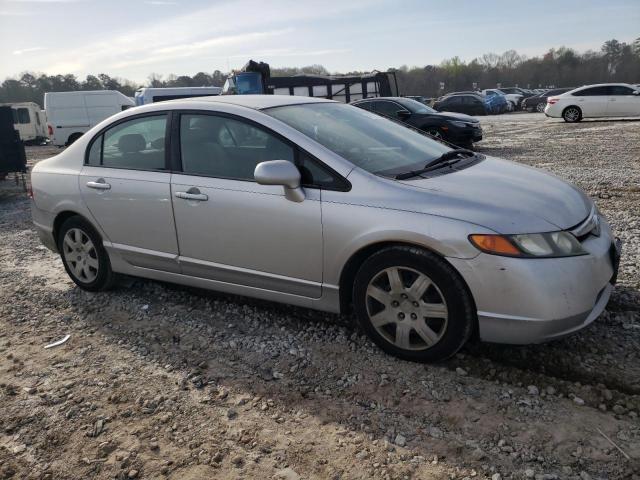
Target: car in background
514 99
601 100
537 103
30 122
455 128
470 104
526 93
162 94
323 205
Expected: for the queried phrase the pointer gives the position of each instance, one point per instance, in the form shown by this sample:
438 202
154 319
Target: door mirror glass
403 114
281 172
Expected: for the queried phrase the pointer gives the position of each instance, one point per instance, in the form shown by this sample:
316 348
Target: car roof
257 102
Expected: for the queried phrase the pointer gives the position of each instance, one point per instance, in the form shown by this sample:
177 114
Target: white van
152 94
70 114
29 122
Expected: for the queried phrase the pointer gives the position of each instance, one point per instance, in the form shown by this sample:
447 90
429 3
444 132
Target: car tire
72 138
413 304
572 114
540 107
83 255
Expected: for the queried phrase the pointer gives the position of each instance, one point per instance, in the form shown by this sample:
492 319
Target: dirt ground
163 382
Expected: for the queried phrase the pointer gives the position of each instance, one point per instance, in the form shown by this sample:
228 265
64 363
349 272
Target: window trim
176 154
100 134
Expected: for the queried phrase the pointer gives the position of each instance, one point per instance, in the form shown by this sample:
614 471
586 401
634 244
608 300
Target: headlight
532 245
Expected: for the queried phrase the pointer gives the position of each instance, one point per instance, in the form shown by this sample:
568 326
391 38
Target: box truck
153 94
29 121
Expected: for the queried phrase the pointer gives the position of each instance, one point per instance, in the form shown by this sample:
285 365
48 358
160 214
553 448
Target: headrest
132 143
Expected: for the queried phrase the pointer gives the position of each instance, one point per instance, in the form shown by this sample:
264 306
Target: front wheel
413 304
83 255
540 107
572 114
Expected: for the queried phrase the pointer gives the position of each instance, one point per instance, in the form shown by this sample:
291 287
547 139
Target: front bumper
464 135
523 301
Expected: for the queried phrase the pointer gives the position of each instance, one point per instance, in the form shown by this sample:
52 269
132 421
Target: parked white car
602 100
514 99
70 114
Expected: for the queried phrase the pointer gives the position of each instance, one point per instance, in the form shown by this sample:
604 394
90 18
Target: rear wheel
84 258
572 114
540 107
73 137
413 304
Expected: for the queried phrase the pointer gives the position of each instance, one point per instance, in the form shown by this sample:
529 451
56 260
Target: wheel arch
355 261
571 106
64 215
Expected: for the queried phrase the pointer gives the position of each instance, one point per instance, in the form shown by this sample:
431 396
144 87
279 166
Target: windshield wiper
446 159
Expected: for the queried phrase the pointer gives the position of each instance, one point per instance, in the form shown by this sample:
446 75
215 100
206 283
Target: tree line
559 67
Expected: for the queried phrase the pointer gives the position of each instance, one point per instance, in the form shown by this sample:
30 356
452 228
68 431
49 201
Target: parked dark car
470 104
537 103
455 128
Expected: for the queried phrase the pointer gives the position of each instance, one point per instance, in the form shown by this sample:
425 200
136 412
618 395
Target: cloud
183 40
27 50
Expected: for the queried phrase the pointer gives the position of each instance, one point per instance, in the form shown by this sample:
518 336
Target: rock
533 390
550 390
529 473
19 449
231 414
132 474
435 432
496 476
461 371
400 440
578 401
585 476
238 461
286 474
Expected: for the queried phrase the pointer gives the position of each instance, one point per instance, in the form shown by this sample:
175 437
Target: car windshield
367 140
415 106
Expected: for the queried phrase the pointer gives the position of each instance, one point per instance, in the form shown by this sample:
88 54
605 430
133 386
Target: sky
133 38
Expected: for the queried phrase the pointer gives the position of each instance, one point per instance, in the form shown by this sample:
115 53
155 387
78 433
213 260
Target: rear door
623 102
125 184
593 101
230 228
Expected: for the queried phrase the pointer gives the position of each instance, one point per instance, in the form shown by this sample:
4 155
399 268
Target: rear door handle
200 197
99 185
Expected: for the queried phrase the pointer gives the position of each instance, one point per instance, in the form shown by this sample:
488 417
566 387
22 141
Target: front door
623 102
126 186
232 230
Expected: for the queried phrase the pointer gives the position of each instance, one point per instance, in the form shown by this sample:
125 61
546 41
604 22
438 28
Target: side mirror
281 172
403 114
636 92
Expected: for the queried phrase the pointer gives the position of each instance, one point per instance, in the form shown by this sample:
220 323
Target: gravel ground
160 381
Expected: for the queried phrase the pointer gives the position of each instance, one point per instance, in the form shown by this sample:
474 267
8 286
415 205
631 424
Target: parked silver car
324 205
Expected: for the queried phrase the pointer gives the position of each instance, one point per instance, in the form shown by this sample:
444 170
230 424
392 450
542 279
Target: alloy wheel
80 255
540 107
572 114
406 308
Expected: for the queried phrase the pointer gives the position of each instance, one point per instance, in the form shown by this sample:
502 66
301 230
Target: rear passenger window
136 144
217 146
620 90
592 92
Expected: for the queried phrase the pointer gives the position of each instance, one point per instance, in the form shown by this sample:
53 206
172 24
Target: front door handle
200 197
99 185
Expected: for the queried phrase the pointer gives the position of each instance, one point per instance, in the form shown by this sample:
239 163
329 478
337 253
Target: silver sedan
323 205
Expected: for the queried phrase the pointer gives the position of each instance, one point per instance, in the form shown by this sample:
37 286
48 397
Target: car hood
503 196
453 116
